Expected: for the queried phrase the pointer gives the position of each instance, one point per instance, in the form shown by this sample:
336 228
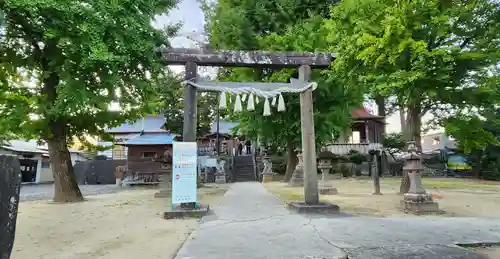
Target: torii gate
192 58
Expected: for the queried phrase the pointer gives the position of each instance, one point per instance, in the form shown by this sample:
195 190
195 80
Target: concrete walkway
251 223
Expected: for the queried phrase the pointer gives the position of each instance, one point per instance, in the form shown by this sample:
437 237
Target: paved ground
33 192
251 223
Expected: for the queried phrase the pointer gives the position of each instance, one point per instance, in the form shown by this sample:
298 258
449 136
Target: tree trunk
291 160
412 125
402 120
380 101
478 163
66 188
65 185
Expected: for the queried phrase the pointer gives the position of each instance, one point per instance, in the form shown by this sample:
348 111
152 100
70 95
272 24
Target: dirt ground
113 226
458 197
492 251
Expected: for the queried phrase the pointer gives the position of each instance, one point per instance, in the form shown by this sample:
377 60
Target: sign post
184 173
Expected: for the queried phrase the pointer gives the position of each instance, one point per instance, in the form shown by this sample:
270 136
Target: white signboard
184 172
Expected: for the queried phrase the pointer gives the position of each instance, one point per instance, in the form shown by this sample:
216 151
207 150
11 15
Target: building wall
136 163
431 142
77 157
46 174
117 152
44 167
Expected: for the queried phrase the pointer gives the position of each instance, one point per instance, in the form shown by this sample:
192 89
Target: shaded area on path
32 192
249 222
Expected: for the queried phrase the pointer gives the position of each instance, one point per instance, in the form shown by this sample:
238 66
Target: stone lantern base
419 203
297 178
220 178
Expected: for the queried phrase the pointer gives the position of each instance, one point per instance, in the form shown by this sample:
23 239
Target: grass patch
446 183
288 195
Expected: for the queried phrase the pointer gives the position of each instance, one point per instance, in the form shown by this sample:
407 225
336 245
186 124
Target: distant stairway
243 169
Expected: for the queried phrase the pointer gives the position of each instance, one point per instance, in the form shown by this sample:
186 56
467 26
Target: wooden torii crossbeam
191 58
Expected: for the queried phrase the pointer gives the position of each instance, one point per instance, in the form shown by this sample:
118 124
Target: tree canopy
281 26
64 64
426 53
170 102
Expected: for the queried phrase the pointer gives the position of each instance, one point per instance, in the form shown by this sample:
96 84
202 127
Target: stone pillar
10 185
416 200
298 173
311 194
267 173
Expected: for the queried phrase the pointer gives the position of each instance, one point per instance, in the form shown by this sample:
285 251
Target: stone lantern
267 172
220 173
325 158
298 173
416 200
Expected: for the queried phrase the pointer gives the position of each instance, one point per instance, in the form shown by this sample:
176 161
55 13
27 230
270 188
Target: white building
437 141
34 159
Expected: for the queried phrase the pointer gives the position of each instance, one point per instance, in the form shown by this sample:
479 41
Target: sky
189 13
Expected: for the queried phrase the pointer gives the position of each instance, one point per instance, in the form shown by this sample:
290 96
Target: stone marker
10 184
298 174
325 165
416 200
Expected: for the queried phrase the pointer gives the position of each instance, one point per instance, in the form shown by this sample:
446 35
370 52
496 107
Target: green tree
170 102
282 25
64 63
425 53
478 135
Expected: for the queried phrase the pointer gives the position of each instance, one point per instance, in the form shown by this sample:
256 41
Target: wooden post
376 174
308 140
190 104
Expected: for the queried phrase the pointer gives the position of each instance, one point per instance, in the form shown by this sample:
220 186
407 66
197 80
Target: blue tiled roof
150 123
151 139
225 127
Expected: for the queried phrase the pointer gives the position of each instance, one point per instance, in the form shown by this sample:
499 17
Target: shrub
279 164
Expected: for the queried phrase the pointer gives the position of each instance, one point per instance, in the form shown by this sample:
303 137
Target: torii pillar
311 195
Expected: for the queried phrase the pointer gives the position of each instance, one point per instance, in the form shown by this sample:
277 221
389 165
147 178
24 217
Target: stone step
244 172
